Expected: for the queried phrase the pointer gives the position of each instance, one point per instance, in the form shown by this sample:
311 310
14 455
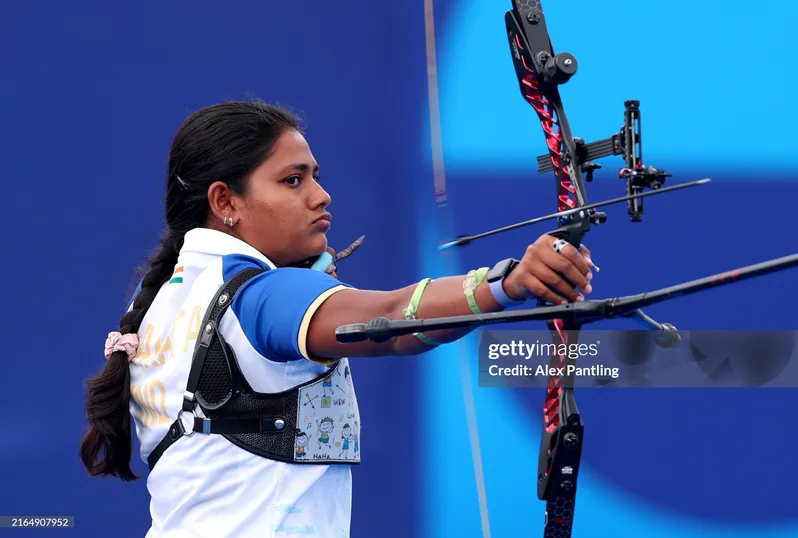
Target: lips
324 218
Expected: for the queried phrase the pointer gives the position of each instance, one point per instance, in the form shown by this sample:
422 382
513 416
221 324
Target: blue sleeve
272 306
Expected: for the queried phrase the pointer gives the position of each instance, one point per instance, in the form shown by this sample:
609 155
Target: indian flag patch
177 276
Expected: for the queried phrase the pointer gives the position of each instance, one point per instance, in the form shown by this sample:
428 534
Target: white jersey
203 485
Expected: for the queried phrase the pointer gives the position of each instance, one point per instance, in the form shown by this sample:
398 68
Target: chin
318 244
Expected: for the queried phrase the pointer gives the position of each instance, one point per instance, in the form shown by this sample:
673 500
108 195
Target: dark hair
224 142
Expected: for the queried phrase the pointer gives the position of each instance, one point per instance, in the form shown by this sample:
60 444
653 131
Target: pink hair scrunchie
129 343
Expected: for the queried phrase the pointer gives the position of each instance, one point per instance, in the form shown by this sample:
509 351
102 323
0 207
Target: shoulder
233 264
274 307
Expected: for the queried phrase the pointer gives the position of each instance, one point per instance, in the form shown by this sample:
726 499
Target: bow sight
628 143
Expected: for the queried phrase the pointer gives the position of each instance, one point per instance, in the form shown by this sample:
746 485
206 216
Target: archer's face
281 208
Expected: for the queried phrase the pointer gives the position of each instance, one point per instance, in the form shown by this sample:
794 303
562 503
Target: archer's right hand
555 277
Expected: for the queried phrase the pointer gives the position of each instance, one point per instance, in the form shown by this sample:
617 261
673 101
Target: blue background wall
92 94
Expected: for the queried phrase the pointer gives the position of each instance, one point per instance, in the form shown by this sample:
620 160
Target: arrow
467 239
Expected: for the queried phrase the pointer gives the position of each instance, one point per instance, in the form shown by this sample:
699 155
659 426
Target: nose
319 198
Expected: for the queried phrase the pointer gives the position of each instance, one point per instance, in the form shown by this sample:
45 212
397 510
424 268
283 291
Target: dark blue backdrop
92 94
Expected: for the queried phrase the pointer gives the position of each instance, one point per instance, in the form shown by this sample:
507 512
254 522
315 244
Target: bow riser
532 52
539 72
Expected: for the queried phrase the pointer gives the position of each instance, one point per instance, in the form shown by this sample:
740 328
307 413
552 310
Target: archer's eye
293 181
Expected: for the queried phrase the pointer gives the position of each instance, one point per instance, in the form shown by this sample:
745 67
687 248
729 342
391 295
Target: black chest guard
268 425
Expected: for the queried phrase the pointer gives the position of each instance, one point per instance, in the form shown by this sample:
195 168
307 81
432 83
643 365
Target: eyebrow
298 167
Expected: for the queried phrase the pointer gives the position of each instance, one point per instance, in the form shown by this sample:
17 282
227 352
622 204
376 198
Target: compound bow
540 72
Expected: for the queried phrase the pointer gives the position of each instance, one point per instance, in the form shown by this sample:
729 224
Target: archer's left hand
551 270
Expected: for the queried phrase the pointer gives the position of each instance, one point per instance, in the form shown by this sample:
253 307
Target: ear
220 199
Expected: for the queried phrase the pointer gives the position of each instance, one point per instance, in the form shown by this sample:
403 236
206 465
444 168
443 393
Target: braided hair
224 142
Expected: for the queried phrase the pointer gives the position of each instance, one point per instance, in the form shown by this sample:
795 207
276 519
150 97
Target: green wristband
473 279
415 299
426 340
412 309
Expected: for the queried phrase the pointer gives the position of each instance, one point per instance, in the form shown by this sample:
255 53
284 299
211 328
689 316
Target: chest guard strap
265 424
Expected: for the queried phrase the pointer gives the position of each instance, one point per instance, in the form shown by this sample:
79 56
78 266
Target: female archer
243 192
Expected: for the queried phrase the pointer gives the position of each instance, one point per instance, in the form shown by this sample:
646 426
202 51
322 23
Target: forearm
443 297
547 271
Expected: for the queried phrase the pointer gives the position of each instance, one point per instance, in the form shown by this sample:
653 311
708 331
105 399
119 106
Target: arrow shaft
567 212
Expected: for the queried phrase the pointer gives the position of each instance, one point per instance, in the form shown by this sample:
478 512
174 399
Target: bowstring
443 210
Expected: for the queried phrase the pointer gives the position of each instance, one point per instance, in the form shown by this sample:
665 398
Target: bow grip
573 231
